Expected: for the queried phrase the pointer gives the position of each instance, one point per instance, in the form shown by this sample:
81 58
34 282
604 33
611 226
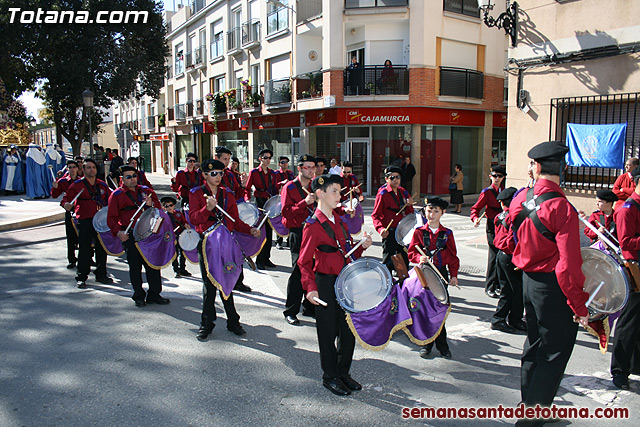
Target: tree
113 60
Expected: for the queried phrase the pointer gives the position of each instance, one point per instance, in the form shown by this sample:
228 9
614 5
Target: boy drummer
179 222
441 249
326 239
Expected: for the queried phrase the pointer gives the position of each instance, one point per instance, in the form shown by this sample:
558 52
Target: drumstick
352 188
348 254
51 170
319 301
206 196
600 235
77 195
405 205
388 227
433 266
593 295
133 217
306 191
264 219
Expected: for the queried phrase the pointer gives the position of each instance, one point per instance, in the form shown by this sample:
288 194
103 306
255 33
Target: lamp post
87 100
506 20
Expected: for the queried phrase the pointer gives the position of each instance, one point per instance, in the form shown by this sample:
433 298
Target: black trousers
295 293
441 340
180 263
265 253
391 247
331 323
510 305
209 291
72 238
136 262
551 334
86 236
625 349
491 281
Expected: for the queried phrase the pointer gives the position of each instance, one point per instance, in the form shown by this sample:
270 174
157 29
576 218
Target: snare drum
406 226
433 282
189 239
248 213
148 224
607 280
363 285
353 203
273 207
100 220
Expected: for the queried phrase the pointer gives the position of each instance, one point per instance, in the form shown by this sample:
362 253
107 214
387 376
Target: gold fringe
206 265
425 342
274 229
607 330
261 246
105 246
153 266
366 346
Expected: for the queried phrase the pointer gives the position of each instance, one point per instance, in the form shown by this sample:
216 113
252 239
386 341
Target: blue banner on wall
599 146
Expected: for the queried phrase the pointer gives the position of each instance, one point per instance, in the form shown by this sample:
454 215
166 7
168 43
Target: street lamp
87 100
506 20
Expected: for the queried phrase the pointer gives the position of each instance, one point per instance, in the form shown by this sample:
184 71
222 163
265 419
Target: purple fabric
427 312
223 259
249 244
278 226
112 245
354 225
159 249
192 256
373 328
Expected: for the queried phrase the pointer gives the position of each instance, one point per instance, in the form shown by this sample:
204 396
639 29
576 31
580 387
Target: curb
32 222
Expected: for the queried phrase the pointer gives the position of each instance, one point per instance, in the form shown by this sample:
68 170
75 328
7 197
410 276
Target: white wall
304 45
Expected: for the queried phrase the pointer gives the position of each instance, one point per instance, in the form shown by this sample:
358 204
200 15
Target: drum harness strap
441 243
612 227
530 209
298 185
229 178
400 202
135 204
495 196
332 235
503 219
94 192
197 180
267 187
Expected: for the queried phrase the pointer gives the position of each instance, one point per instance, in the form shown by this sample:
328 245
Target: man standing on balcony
263 180
186 179
354 77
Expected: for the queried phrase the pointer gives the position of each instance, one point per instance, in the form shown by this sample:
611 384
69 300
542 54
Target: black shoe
279 246
71 266
503 327
81 284
104 279
425 352
204 332
520 325
185 273
242 287
237 329
621 381
270 264
351 383
140 303
491 293
260 266
292 320
445 353
158 300
308 312
178 274
336 386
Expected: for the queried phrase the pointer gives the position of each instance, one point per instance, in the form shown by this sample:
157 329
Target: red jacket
623 188
123 203
92 199
387 204
598 218
504 240
264 183
232 182
63 186
282 176
185 181
627 218
202 218
445 257
178 220
294 208
350 181
487 198
312 260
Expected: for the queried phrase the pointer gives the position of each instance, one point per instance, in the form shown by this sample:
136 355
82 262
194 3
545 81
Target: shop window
390 145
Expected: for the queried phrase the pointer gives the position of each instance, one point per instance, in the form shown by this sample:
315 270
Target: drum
406 226
100 220
353 203
433 282
148 223
189 239
222 258
363 285
606 282
249 213
273 207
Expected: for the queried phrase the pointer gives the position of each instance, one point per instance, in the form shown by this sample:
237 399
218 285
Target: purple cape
222 259
249 244
354 225
112 245
159 249
278 226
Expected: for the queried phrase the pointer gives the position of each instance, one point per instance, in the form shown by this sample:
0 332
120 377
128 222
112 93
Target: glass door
359 155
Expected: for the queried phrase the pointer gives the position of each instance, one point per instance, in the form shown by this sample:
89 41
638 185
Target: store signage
409 115
373 117
159 137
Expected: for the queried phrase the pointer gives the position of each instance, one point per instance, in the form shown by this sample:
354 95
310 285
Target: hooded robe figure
12 178
37 174
54 164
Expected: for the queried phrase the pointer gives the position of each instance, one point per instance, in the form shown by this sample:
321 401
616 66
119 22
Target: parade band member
142 177
263 180
389 208
325 239
95 196
123 204
203 214
186 179
297 206
57 188
321 165
510 303
179 223
548 253
624 186
625 349
602 219
438 244
350 181
488 199
283 175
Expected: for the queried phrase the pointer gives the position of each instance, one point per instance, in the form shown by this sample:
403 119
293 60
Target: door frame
367 168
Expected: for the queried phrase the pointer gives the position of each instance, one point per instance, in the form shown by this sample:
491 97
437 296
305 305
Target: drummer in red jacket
123 204
602 218
203 214
57 188
325 239
179 222
442 252
186 179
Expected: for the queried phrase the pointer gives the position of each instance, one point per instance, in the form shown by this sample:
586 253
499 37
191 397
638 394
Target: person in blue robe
37 174
12 177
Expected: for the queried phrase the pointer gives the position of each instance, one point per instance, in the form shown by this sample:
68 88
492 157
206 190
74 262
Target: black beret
222 150
265 151
212 165
72 162
235 159
166 199
391 169
606 195
635 172
191 155
323 181
125 168
132 158
552 150
306 158
321 160
347 164
506 194
499 169
436 201
281 158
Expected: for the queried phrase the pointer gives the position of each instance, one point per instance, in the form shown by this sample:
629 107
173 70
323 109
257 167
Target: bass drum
406 226
100 220
432 281
606 282
363 285
248 213
148 223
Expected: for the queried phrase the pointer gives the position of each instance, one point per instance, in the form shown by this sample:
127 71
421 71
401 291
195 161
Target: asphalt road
89 357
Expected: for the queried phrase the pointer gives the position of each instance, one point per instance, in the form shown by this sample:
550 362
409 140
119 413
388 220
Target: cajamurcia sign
355 116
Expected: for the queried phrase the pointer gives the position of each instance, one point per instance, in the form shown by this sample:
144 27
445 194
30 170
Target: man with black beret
548 253
321 165
602 218
62 186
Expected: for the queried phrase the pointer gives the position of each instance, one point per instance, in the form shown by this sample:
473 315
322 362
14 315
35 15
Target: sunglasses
191 161
129 176
306 167
266 157
213 174
497 175
283 162
170 205
392 177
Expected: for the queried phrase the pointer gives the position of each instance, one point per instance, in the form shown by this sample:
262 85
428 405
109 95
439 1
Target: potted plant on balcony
246 86
161 120
209 97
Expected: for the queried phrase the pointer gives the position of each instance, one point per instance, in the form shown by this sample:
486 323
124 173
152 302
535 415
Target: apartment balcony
189 109
199 105
197 6
277 21
308 10
377 80
355 4
170 114
216 49
234 38
180 111
197 58
151 124
277 92
179 66
251 33
308 86
461 82
169 72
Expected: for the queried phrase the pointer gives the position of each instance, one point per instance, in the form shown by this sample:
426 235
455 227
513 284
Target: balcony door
360 156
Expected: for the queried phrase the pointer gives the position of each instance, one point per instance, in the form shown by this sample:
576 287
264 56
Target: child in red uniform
179 222
442 251
325 239
602 218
